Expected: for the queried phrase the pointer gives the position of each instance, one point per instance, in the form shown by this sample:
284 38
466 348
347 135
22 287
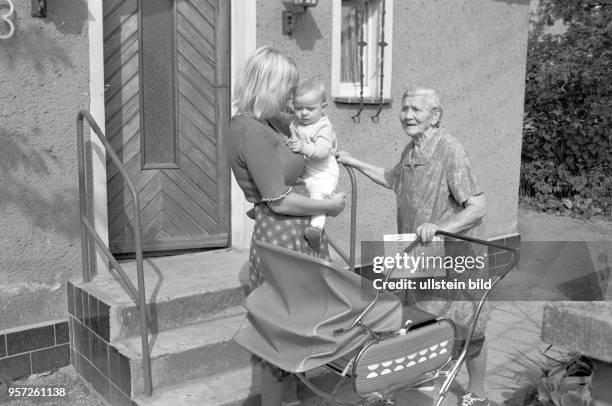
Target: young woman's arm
297 205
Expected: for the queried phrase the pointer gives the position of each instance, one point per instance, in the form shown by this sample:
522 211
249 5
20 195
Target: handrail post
142 298
83 200
353 230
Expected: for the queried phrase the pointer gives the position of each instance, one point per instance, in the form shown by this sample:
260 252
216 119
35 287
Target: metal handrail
138 295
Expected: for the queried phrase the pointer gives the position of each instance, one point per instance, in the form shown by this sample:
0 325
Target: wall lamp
39 8
295 9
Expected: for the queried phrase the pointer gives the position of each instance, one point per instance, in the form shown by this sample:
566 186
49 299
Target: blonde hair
431 97
267 79
311 85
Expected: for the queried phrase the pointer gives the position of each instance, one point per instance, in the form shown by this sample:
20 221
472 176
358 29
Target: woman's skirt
286 232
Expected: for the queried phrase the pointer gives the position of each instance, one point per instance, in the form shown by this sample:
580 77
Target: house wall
44 81
472 51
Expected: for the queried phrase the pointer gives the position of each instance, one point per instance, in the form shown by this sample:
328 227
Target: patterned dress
431 186
284 231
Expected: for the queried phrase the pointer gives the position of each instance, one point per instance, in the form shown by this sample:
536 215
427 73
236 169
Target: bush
567 145
552 187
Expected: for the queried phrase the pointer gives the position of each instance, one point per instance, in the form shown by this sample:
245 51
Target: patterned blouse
264 167
431 186
434 184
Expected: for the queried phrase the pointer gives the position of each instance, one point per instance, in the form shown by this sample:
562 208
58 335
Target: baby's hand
295 143
297 140
296 133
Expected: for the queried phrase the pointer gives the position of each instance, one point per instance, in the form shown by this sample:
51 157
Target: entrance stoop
195 301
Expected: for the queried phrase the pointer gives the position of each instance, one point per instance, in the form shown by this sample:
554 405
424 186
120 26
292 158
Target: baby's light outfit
321 173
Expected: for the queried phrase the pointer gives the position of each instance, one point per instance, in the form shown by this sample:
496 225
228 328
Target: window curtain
353 14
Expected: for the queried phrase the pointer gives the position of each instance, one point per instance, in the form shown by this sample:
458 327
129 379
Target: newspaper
422 261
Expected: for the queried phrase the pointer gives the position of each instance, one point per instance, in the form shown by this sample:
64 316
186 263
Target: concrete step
182 289
201 350
233 388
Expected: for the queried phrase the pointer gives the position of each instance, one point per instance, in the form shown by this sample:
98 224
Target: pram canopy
293 314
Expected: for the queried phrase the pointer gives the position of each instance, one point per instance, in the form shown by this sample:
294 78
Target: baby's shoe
313 236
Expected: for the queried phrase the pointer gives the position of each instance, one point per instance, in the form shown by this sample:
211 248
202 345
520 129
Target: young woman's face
308 108
416 116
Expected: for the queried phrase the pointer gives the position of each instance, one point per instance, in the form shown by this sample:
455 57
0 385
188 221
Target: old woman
436 189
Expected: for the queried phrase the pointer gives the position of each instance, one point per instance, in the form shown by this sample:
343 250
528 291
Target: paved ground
79 393
514 358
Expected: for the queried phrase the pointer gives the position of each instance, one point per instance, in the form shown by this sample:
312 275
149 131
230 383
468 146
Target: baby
313 136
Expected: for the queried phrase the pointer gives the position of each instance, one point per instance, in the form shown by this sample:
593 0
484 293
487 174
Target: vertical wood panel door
166 70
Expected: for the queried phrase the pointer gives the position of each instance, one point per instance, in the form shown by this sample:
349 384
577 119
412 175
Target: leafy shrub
567 142
551 187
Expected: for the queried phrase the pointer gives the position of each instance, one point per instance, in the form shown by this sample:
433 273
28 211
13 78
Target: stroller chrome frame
349 369
388 362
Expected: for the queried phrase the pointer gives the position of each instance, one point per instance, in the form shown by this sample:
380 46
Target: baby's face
308 108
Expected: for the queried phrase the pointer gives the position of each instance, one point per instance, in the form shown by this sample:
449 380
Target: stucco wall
44 81
472 51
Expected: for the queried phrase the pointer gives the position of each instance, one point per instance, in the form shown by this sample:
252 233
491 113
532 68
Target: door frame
243 42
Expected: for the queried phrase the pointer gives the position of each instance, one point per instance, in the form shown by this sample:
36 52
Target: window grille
361 52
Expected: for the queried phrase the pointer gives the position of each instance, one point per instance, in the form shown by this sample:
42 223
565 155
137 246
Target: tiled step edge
198 350
177 312
115 322
182 290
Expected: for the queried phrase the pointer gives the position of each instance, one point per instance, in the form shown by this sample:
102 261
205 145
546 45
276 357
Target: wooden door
166 69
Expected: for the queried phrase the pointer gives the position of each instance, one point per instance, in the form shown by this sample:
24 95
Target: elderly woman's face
416 116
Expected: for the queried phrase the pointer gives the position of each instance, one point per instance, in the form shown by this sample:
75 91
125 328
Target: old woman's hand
345 157
426 231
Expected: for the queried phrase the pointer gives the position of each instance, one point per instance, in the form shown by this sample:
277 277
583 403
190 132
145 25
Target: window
360 28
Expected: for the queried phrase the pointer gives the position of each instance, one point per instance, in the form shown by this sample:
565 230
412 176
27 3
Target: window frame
348 92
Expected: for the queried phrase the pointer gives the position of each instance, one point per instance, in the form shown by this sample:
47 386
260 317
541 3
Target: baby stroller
310 313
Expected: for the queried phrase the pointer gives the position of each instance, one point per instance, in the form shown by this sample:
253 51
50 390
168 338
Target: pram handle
455 370
358 320
350 258
515 255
